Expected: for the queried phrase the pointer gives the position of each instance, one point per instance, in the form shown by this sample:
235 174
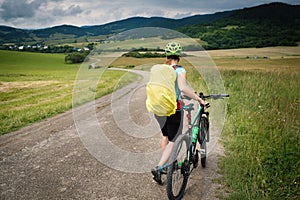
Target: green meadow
262 130
35 86
261 135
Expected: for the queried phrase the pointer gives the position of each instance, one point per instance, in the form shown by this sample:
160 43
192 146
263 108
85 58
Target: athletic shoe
163 170
156 175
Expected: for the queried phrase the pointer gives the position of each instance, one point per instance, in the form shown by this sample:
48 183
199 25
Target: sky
35 14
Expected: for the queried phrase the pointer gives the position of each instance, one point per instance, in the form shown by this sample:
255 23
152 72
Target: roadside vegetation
261 135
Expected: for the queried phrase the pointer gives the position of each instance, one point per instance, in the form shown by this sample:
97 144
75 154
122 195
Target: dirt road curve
48 160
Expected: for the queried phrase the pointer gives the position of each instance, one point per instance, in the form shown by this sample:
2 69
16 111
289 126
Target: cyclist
171 126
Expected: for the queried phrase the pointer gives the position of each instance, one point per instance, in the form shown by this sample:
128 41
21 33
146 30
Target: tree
75 57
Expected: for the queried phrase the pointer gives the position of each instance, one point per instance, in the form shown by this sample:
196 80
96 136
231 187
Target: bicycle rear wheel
204 127
178 171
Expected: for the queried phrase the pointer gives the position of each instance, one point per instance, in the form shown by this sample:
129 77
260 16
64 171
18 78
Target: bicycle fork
192 160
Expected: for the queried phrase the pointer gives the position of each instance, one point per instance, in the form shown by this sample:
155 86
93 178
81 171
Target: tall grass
262 135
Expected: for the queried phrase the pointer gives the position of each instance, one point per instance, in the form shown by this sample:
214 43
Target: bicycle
185 154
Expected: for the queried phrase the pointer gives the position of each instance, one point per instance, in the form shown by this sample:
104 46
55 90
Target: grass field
35 86
262 131
261 135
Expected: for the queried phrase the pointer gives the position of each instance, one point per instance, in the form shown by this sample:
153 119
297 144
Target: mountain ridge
275 12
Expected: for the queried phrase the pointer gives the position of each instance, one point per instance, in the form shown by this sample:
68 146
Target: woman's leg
166 154
164 142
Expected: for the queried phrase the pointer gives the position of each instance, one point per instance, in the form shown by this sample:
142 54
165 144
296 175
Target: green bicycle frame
193 122
197 115
191 126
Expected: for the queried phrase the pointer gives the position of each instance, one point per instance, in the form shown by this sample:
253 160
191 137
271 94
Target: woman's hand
201 101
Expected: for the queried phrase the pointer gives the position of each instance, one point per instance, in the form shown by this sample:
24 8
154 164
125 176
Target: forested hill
274 24
271 24
273 11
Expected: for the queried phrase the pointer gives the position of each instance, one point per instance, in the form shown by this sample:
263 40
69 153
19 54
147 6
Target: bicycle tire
204 127
178 175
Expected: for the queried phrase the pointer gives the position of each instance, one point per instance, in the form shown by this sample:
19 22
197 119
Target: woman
171 125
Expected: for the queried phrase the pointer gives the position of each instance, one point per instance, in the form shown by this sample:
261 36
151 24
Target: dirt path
56 159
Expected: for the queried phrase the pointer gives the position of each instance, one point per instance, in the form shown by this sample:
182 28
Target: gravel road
68 157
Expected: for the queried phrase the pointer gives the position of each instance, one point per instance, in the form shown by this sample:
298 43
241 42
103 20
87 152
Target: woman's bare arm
186 89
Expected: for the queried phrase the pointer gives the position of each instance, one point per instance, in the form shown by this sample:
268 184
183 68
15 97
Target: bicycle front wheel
204 134
179 168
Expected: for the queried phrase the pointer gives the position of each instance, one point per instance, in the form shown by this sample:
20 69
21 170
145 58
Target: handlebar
212 96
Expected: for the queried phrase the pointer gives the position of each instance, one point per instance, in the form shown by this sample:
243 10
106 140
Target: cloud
72 10
37 13
12 9
45 13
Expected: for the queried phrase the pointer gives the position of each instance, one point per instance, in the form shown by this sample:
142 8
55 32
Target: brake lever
207 105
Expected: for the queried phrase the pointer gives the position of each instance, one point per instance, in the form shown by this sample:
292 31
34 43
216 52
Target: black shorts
171 126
